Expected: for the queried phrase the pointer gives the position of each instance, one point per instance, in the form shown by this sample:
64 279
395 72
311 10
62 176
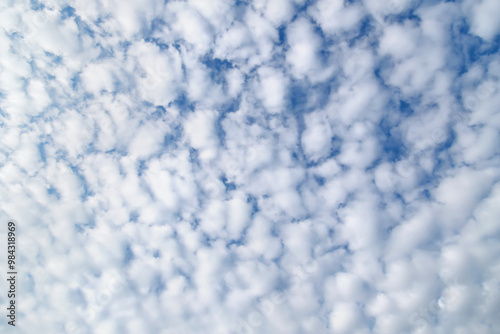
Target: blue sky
237 167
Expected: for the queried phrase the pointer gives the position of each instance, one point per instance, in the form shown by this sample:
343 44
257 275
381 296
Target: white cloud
272 89
200 132
399 41
161 72
278 12
335 17
190 25
482 17
252 167
316 139
38 95
304 47
98 77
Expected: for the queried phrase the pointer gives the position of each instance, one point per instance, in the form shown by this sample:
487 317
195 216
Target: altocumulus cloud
237 167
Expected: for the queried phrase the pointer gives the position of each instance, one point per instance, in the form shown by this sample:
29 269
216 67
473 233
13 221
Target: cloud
335 17
482 19
304 47
251 166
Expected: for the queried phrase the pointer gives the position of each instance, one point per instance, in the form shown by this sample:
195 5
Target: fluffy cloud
283 166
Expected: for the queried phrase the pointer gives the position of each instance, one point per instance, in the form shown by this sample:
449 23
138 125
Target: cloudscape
239 167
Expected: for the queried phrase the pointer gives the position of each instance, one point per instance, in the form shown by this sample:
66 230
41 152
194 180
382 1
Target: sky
238 167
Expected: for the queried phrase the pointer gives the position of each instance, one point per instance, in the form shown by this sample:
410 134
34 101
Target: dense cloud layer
237 167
